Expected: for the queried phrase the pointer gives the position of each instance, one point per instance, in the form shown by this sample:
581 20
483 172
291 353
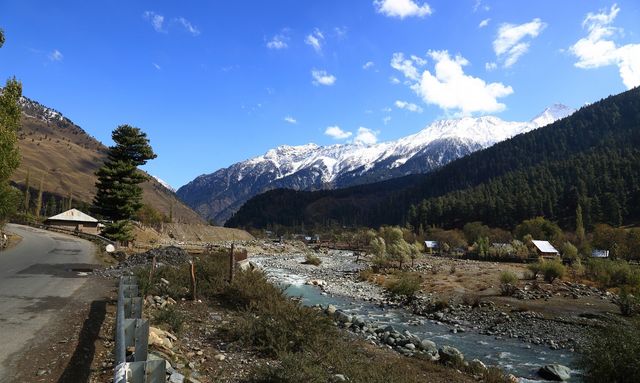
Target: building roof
73 215
431 244
545 247
596 253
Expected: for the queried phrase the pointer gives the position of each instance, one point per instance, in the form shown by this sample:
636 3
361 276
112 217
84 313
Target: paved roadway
37 279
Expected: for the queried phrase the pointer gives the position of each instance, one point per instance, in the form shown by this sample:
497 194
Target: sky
216 82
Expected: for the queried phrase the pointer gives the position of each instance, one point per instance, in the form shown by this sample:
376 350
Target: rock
331 310
555 372
450 354
166 282
176 377
512 378
410 346
339 378
428 346
219 357
342 317
476 365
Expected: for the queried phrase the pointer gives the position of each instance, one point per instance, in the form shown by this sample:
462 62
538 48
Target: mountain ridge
217 195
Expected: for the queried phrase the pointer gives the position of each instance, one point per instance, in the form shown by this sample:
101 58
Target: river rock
477 366
555 372
331 310
342 317
450 354
176 377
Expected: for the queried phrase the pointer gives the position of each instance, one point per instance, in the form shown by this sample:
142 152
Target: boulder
555 372
450 354
428 346
342 317
477 366
176 377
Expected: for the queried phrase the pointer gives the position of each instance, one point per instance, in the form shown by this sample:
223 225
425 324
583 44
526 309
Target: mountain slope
590 158
65 157
310 167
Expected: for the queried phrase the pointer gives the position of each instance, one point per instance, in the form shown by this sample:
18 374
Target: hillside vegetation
65 158
590 158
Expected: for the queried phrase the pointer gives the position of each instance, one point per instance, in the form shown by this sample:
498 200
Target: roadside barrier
132 339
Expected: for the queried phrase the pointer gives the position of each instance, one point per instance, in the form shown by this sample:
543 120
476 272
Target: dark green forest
591 158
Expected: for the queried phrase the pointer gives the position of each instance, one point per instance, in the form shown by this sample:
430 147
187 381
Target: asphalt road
38 278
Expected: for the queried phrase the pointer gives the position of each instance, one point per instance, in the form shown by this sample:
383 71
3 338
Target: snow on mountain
310 167
164 183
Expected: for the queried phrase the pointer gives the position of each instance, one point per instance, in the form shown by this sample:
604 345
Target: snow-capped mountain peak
552 113
164 183
307 167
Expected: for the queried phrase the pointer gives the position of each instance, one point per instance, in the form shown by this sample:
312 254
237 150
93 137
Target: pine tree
579 225
9 154
52 206
119 195
39 200
27 193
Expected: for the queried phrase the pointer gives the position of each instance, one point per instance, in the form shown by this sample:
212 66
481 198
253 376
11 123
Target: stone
331 310
176 377
555 372
410 346
476 365
219 357
339 378
450 354
164 281
428 346
342 317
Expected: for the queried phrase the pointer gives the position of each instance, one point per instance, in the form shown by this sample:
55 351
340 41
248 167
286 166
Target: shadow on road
79 367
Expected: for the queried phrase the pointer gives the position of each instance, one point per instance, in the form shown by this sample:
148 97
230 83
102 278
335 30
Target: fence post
231 264
193 278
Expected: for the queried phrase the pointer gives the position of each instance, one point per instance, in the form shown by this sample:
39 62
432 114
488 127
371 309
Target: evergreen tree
119 195
579 225
27 193
39 200
52 206
9 154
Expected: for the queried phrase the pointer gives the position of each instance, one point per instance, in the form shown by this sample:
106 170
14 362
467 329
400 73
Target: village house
431 246
74 220
596 253
545 249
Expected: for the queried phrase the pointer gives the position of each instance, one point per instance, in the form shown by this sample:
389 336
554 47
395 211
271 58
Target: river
512 355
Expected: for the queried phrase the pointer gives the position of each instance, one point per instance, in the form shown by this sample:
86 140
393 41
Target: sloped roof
431 244
545 247
74 215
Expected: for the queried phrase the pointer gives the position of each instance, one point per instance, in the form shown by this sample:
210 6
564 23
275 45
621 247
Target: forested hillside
590 158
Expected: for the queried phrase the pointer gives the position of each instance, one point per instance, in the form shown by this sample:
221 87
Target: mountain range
586 162
217 196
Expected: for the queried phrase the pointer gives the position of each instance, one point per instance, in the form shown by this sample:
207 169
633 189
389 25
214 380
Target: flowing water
512 355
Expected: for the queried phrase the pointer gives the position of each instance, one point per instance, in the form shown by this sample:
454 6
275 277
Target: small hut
545 249
74 220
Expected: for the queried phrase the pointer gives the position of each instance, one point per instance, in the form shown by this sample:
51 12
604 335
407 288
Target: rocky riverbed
338 275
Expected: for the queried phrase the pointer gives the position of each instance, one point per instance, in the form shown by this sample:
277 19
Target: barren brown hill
62 154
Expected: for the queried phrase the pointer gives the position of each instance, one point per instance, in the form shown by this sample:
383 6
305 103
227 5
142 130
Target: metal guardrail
132 339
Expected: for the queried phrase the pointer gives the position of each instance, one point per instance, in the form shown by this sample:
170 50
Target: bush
551 270
311 259
608 273
611 355
404 285
365 275
627 303
472 300
171 317
535 269
508 282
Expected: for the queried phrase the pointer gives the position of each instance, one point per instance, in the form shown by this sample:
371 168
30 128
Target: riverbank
462 296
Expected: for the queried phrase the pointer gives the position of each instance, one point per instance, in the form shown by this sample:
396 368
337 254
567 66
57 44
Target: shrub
171 317
551 270
535 269
472 300
404 285
608 273
611 355
508 282
365 275
311 259
627 303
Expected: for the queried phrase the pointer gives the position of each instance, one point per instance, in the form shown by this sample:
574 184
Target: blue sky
213 83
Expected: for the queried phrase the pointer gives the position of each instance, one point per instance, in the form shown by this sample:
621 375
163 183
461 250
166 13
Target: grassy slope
67 157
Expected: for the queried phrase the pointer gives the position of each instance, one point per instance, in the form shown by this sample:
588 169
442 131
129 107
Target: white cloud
315 39
340 32
192 29
484 23
394 80
386 119
490 66
598 49
404 65
290 120
158 67
365 136
321 77
336 133
402 8
368 65
408 106
155 19
56 55
509 45
279 41
478 5
451 89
